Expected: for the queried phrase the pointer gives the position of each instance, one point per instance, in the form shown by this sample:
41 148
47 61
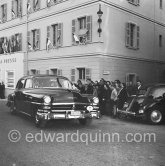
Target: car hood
60 95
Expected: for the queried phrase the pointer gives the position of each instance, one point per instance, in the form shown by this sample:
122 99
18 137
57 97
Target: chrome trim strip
70 103
126 112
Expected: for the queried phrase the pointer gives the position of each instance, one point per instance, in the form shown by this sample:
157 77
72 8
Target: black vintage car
46 97
150 106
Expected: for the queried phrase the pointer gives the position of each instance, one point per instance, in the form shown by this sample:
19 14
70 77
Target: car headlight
141 111
95 100
90 108
47 99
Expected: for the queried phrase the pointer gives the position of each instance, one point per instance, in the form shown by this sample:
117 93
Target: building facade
69 38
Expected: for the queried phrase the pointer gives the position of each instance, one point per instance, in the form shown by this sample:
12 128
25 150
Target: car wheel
114 111
85 121
13 109
155 117
39 122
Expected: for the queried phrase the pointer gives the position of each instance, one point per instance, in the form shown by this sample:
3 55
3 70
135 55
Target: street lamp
99 13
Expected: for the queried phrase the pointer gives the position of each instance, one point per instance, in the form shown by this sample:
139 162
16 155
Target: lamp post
99 13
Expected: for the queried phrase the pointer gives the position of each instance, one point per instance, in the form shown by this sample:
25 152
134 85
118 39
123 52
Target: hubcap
156 116
36 119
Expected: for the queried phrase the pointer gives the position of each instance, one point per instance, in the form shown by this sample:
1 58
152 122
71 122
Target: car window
28 83
45 82
65 83
20 84
156 92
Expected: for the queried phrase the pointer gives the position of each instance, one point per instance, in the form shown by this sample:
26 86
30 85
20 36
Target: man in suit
139 86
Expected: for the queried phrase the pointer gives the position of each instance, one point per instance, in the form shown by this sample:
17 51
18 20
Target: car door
19 94
27 96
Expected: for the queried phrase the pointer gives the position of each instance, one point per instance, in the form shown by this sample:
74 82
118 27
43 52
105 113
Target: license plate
76 113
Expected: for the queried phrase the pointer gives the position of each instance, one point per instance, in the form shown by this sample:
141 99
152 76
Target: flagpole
27 65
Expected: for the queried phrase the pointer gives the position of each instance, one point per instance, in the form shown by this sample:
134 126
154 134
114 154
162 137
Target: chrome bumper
130 113
69 114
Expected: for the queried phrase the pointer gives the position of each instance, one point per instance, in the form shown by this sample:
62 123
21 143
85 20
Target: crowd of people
110 94
2 90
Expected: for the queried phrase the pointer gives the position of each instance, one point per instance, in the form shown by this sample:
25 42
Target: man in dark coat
89 87
102 95
3 90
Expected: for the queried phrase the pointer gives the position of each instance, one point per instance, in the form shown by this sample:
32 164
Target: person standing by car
80 87
3 90
139 86
122 96
89 87
102 94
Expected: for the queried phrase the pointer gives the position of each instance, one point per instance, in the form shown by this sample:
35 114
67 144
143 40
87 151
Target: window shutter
5 12
127 35
37 71
19 8
87 73
127 79
73 75
20 41
138 37
89 28
73 30
59 72
37 44
9 45
60 34
48 32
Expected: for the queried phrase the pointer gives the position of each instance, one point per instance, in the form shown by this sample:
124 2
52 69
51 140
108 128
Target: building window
161 4
33 5
16 8
36 5
80 73
134 2
160 40
53 2
3 13
54 36
131 79
132 36
33 39
11 44
82 30
10 79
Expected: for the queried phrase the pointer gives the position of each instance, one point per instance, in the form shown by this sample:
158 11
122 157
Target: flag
13 14
28 7
76 38
48 44
30 47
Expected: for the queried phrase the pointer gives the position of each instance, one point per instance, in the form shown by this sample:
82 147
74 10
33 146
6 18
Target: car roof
42 75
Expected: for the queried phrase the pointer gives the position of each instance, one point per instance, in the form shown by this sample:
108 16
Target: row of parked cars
46 97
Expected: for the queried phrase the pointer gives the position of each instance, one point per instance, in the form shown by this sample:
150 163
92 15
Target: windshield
155 92
51 82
